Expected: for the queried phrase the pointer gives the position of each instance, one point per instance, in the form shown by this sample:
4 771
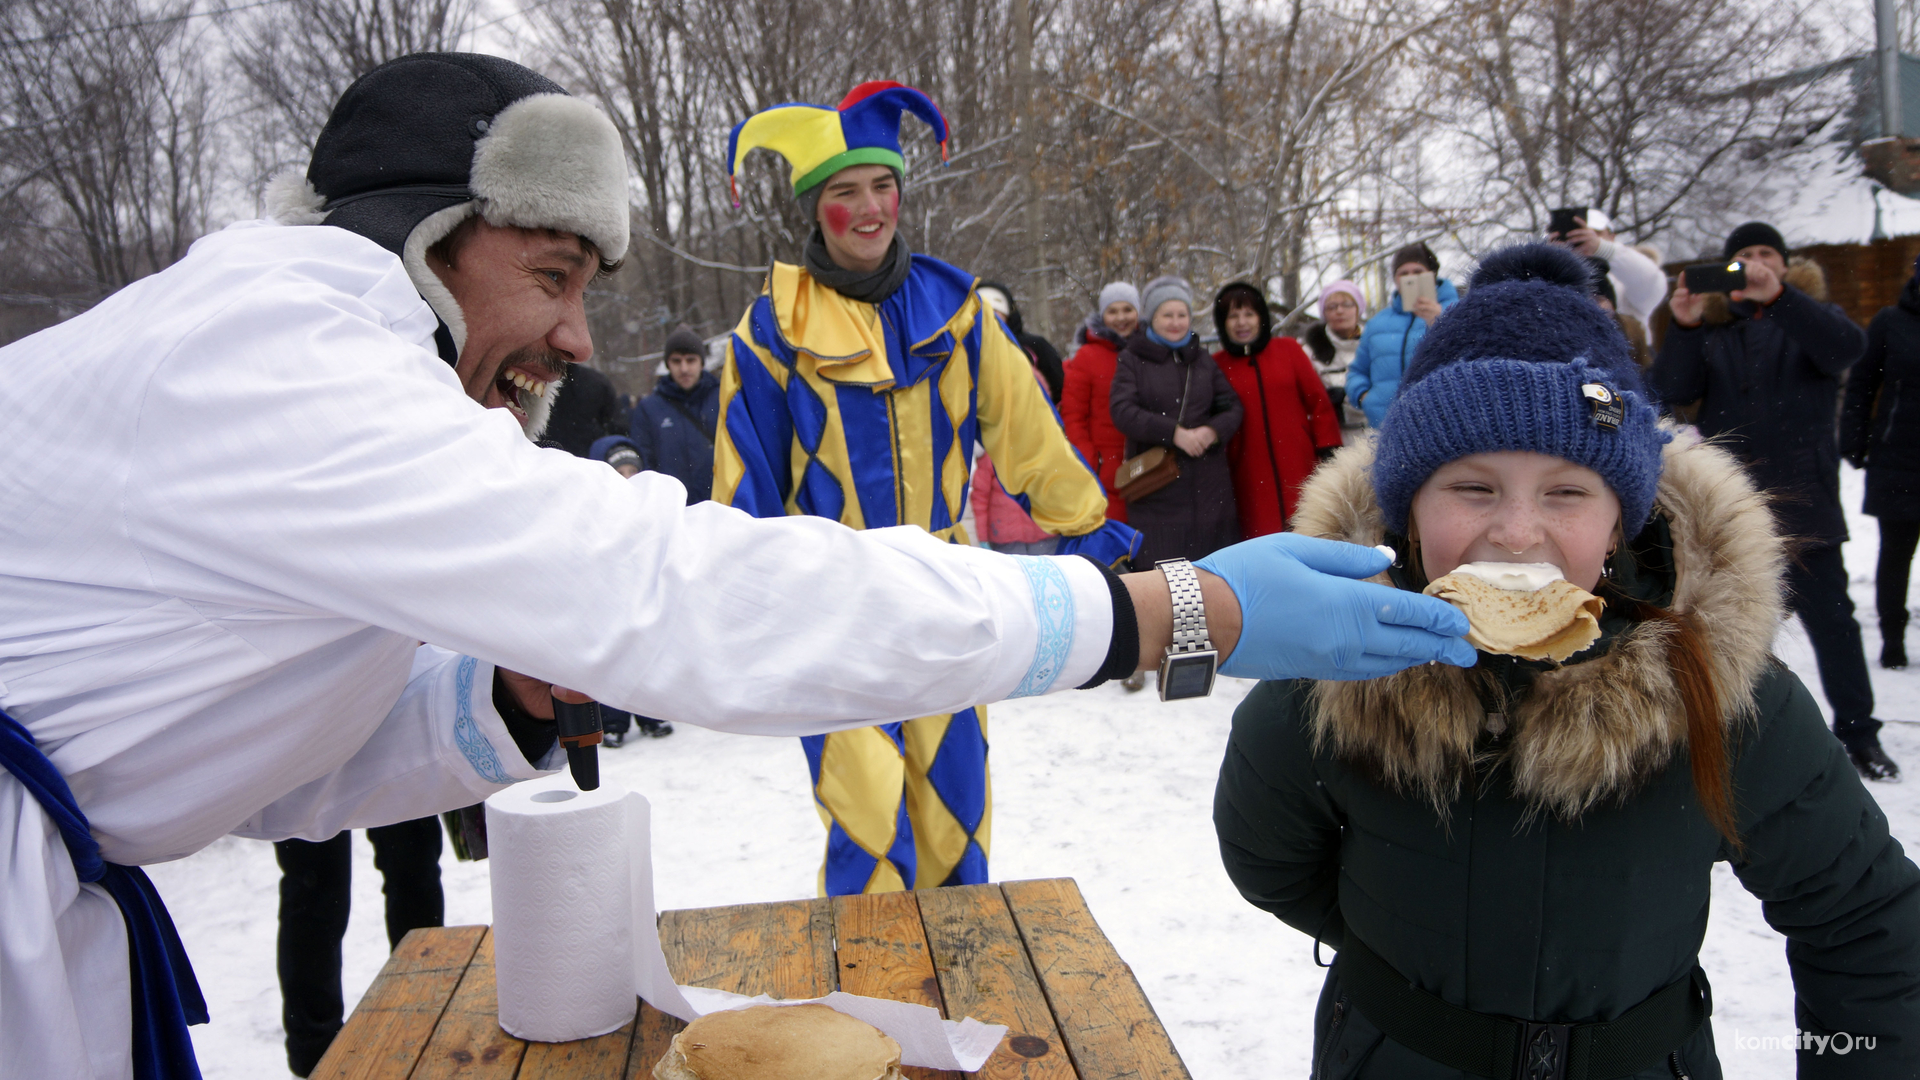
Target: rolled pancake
780 1042
1549 623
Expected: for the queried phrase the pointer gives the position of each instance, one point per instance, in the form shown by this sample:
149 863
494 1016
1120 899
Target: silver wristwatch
1187 670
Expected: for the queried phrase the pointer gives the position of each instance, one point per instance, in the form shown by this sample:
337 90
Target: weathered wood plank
468 1044
785 949
653 1034
390 1027
820 939
603 1057
1109 1026
984 973
882 951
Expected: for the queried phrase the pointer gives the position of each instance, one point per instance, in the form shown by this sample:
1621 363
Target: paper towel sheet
573 899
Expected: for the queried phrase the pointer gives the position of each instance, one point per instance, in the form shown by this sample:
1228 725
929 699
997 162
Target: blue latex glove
1303 614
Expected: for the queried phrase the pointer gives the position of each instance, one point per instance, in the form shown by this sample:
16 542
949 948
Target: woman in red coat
1089 386
1291 424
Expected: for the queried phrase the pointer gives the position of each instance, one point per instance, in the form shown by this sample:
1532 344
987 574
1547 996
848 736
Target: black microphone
580 731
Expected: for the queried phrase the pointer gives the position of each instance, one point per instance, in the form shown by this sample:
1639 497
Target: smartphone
1414 287
1561 222
1715 277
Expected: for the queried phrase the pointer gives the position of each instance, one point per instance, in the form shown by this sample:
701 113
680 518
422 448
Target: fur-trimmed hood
1802 273
1592 730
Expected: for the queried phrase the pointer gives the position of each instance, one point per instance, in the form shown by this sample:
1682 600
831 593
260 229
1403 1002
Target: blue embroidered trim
466 731
1053 614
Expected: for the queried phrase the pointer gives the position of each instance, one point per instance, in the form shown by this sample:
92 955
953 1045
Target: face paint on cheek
892 203
838 218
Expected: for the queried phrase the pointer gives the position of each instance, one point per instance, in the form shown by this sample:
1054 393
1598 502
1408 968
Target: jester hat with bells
818 142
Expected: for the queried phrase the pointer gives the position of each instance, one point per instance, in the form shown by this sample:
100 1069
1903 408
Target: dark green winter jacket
1524 839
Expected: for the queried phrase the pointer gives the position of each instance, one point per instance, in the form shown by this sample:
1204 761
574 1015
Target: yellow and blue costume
868 414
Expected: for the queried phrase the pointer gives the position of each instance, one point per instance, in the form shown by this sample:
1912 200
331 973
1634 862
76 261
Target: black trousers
1897 542
1817 591
315 884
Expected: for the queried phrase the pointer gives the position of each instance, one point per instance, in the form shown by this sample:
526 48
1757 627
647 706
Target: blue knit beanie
1526 361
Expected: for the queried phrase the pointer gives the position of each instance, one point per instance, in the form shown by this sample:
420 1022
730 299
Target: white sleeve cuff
482 737
1073 616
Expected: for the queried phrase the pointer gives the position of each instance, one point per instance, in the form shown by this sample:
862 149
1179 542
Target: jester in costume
855 388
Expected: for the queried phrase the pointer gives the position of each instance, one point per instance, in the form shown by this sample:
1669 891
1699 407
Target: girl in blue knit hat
1512 861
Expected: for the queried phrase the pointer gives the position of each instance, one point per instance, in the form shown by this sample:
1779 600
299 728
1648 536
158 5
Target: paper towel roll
562 909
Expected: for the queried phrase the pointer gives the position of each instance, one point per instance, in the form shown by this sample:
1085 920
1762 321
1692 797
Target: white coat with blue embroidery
236 496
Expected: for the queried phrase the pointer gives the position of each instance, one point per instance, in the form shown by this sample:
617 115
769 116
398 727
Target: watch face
1188 676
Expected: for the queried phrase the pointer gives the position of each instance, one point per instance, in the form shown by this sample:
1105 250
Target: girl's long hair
1707 752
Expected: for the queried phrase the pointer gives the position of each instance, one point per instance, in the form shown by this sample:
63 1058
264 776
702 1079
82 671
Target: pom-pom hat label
1609 412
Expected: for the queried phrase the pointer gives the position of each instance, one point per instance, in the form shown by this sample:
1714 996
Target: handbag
1145 473
1155 467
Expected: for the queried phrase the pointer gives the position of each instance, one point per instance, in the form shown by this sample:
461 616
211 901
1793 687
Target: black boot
1867 756
1893 642
657 729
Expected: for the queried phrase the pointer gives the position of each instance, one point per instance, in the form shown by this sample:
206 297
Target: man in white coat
237 496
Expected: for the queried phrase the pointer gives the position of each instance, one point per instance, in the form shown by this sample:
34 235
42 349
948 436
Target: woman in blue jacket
1393 334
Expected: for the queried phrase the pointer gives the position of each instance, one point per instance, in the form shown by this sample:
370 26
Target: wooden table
1026 954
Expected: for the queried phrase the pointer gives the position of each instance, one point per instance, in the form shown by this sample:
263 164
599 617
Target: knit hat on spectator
616 450
684 340
1347 287
1162 289
1526 361
420 144
1754 232
1113 292
1416 252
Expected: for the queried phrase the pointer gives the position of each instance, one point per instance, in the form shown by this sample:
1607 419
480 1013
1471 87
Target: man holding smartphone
1764 362
1638 282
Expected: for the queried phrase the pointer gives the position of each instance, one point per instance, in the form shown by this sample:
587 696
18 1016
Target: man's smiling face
858 214
523 294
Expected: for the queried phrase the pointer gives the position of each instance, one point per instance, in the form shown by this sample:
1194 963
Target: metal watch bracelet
1189 609
1190 662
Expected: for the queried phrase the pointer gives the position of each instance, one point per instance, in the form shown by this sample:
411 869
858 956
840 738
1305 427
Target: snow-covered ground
1112 790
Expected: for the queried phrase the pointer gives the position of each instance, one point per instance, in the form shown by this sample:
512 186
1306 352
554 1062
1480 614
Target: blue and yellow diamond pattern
868 414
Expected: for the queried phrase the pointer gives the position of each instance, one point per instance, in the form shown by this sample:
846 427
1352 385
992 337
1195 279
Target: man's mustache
539 357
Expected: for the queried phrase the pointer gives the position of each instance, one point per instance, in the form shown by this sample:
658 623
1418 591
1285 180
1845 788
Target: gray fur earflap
552 161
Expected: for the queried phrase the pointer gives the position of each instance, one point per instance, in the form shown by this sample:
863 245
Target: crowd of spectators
1758 369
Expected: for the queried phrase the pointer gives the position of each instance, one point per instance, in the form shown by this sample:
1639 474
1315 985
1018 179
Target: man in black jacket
1766 370
1880 432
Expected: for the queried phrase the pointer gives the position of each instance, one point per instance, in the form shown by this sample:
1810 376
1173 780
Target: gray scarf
866 286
